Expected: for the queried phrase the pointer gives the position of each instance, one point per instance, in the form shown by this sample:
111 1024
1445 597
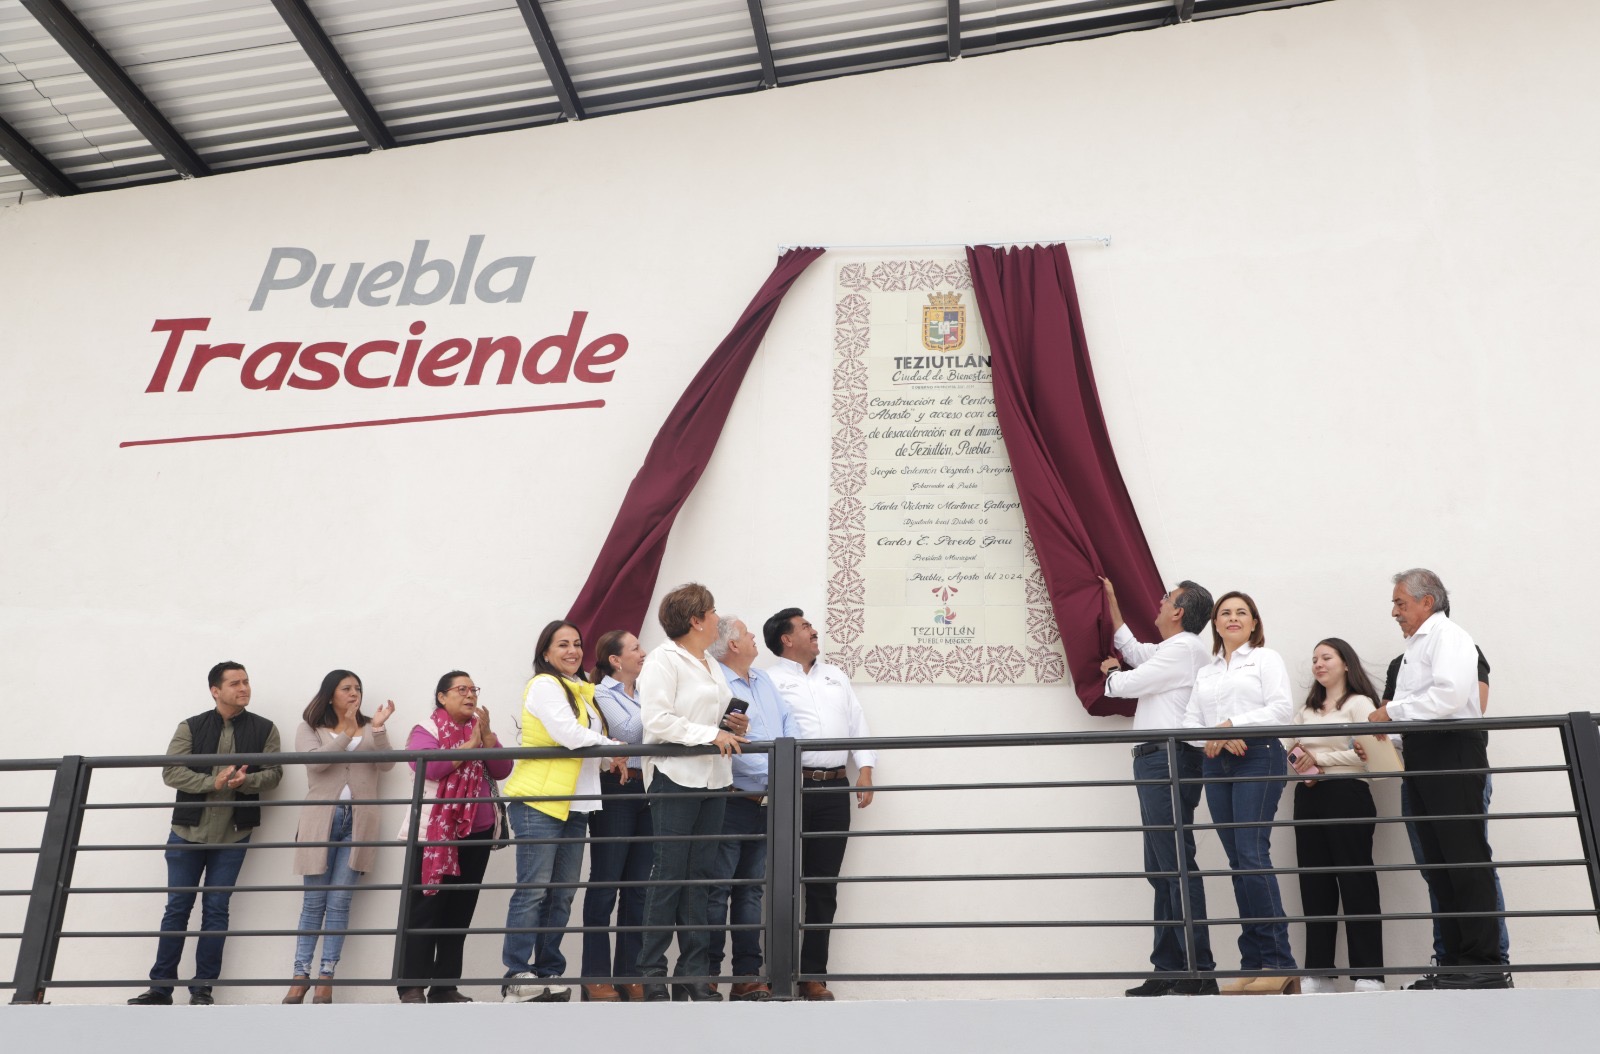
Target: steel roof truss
306 29
34 166
769 66
550 55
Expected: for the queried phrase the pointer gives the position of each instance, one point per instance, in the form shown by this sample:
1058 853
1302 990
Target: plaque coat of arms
944 322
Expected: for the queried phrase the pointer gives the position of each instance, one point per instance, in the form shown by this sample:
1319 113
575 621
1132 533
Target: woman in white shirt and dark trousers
683 698
1246 684
1342 695
618 658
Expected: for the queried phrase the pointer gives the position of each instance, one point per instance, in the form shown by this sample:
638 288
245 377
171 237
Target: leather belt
825 774
1141 749
759 799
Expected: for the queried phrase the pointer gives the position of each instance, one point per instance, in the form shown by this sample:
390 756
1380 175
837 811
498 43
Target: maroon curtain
617 594
1079 514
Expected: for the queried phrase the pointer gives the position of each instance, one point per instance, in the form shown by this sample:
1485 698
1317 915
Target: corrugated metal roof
626 53
437 68
56 107
229 76
241 91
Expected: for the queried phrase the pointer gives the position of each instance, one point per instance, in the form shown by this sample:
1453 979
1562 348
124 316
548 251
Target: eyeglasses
466 689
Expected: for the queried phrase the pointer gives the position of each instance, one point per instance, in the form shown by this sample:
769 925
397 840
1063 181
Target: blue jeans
217 866
1262 945
1431 876
533 903
625 816
1161 854
739 859
327 908
671 904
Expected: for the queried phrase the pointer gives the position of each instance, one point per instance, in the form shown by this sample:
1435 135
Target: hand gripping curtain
1078 511
617 594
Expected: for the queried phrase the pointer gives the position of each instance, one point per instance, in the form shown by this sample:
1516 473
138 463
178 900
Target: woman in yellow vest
558 710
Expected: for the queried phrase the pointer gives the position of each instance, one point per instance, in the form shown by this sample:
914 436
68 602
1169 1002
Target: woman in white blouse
683 698
1246 684
1342 695
550 801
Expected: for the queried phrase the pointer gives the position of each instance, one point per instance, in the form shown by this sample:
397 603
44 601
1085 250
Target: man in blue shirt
746 814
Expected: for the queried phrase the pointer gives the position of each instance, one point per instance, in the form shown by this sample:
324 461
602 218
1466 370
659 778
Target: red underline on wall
589 404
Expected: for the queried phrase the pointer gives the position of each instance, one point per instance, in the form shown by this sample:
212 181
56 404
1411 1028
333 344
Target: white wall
1342 329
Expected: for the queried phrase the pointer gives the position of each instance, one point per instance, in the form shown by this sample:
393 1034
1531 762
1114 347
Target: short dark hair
444 685
1195 602
1258 634
214 678
320 713
682 606
776 626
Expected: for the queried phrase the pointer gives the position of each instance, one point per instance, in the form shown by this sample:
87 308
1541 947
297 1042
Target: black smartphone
737 706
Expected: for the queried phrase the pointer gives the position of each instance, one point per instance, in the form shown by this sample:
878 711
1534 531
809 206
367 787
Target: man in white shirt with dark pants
1439 682
1161 679
823 706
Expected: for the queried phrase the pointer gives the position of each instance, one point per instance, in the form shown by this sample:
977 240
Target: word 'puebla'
388 363
438 276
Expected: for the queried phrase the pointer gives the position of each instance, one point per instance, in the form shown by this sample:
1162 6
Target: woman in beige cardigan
334 724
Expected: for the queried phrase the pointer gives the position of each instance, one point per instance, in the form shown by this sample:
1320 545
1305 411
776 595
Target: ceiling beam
769 65
1184 9
550 55
953 29
34 166
118 86
308 31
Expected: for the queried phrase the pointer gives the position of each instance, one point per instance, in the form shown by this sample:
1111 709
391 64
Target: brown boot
816 991
601 993
632 993
297 991
413 995
754 992
323 994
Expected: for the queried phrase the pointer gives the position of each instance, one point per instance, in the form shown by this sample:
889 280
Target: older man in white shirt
1161 679
1439 682
823 706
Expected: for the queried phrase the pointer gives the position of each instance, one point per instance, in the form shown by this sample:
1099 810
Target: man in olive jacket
224 831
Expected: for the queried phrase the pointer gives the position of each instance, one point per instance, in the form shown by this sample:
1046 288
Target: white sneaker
1317 986
524 988
1367 984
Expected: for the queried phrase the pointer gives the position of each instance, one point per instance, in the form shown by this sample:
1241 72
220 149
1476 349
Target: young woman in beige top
1342 695
333 724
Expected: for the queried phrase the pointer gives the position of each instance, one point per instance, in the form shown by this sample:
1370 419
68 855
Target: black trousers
438 956
1469 941
821 857
1339 845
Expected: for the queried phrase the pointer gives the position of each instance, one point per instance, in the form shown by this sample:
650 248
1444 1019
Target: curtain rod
1103 239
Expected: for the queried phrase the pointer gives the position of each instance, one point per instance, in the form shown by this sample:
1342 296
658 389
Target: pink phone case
1299 752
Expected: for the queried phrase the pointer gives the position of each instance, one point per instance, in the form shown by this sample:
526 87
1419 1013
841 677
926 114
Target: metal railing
61 845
